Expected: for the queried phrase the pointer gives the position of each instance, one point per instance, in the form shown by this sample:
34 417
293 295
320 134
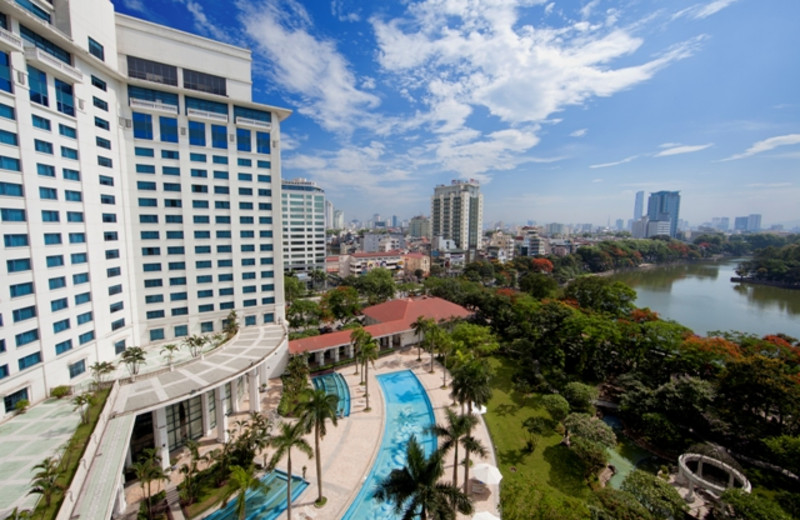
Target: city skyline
563 112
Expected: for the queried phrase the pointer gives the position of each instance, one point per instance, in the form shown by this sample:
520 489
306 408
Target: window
175 250
170 170
37 81
101 123
71 175
222 204
61 326
105 198
9 163
113 271
74 216
102 143
82 298
77 368
115 289
21 289
57 283
48 193
227 277
65 100
224 249
10 189
146 185
198 157
98 83
17 240
10 214
207 326
77 238
262 142
110 218
198 219
69 153
148 219
154 315
145 168
177 266
67 131
86 317
119 346
154 298
142 126
5 73
202 234
86 337
59 304
143 152
50 238
197 134
5 110
220 159
180 311
243 140
201 250
173 235
172 203
8 138
118 324
151 267
206 278
245 162
156 282
110 236
219 136
156 334
204 82
96 49
30 360
180 280
25 313
80 278
168 127
50 216
140 68
41 122
199 173
112 254
26 337
203 264
206 307
43 43
43 146
64 346
73 196
181 330
174 219
249 320
220 175
200 204
104 161
169 186
77 258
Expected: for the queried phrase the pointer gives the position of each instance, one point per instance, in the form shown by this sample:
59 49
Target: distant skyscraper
638 206
665 206
740 224
328 214
457 213
419 227
754 222
303 210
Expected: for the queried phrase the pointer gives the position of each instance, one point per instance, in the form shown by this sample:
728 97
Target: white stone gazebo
712 485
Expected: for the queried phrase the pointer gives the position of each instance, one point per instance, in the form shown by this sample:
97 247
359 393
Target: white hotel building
137 184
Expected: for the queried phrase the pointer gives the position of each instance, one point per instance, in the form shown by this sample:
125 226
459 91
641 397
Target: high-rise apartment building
638 206
664 206
303 208
419 226
457 213
136 191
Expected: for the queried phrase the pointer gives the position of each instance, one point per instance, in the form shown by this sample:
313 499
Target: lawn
551 468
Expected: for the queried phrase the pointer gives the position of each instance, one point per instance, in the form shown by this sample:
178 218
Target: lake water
702 297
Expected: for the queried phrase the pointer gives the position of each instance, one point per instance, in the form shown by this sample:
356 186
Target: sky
562 110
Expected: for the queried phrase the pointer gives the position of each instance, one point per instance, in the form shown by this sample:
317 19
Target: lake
702 297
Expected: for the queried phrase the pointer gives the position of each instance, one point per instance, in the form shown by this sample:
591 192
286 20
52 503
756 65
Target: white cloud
700 11
615 163
579 133
767 145
675 149
309 67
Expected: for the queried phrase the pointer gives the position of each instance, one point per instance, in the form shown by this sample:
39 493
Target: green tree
556 406
240 482
133 357
303 313
415 489
786 452
580 396
601 294
368 355
358 337
538 285
83 402
191 486
619 505
231 324
293 288
289 437
657 496
470 384
315 409
148 470
171 349
341 303
45 480
100 370
735 504
458 430
476 339
421 326
535 426
590 428
377 285
195 344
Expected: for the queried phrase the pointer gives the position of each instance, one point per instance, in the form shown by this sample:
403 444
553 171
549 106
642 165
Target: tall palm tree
471 385
240 482
315 409
148 469
415 489
170 349
421 326
432 337
369 353
290 436
358 337
195 344
45 481
458 431
133 357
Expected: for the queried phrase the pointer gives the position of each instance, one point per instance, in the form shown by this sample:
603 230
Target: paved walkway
26 440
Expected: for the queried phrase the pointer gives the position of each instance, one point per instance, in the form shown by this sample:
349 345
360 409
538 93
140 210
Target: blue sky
561 109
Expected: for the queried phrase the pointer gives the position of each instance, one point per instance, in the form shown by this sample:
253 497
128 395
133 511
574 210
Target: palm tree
433 337
369 353
314 410
148 469
240 482
100 369
231 326
195 344
421 326
191 483
45 481
288 438
170 349
471 385
458 431
83 402
16 514
447 345
415 489
358 337
133 357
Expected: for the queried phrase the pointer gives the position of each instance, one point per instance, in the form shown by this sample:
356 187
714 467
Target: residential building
664 206
362 263
740 224
338 219
417 261
754 222
457 214
303 211
420 226
136 200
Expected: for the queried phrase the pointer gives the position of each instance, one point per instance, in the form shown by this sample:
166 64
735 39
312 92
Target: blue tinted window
40 122
219 136
5 78
65 100
168 127
262 142
37 81
67 131
16 240
243 140
197 135
142 126
43 43
57 282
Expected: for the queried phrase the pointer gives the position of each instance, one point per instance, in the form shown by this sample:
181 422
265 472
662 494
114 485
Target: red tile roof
394 317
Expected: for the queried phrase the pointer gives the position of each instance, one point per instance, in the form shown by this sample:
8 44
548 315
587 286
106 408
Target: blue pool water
335 384
264 506
408 412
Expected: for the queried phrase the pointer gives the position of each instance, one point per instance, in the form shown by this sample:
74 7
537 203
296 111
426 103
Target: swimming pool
335 384
264 506
408 412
